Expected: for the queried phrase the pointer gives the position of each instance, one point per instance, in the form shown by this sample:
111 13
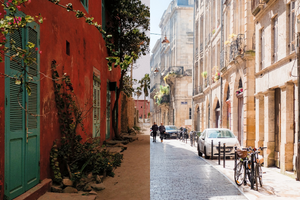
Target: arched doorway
240 96
217 113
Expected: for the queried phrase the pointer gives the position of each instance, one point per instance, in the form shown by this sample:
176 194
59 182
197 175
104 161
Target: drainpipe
193 82
221 61
298 83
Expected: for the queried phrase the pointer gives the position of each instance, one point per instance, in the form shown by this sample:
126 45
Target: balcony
155 86
198 90
206 82
257 5
178 70
237 47
165 99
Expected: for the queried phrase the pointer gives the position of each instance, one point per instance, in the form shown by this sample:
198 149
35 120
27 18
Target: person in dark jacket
154 130
162 130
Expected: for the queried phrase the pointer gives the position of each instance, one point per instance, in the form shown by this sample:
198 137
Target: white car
217 135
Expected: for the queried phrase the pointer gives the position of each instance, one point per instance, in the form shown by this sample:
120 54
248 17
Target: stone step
113 142
67 196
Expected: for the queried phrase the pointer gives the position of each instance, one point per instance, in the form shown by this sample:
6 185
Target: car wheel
199 153
205 154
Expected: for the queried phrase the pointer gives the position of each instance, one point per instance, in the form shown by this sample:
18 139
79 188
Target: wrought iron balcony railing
165 99
237 47
198 90
206 82
201 47
176 69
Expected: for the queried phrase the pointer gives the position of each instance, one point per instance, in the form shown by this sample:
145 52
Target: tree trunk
116 131
144 109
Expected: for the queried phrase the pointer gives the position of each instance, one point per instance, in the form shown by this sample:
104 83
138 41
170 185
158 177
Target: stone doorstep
66 196
37 191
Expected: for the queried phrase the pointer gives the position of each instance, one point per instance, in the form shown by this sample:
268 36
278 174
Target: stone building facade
171 65
235 64
276 81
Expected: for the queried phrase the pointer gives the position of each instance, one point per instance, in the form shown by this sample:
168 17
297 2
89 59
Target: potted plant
204 74
213 31
241 89
237 91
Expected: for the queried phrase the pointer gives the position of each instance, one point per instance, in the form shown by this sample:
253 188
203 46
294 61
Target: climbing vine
76 157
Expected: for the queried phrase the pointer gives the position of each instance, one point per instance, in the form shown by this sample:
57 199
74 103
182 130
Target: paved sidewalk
275 184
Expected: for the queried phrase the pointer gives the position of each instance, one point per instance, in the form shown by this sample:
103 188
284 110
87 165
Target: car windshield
171 128
220 134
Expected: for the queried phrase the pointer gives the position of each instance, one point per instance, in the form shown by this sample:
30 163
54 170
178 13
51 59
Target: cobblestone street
177 172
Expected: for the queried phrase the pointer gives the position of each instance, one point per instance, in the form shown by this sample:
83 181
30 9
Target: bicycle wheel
239 173
256 176
260 175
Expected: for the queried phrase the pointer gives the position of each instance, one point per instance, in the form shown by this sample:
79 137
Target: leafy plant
204 74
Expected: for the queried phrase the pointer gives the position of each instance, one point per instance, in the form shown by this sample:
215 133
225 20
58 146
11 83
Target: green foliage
163 90
127 86
137 128
145 84
55 164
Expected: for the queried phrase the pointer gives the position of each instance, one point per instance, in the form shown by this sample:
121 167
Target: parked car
171 131
217 135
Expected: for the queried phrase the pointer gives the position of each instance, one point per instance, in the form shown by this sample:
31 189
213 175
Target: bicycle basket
241 153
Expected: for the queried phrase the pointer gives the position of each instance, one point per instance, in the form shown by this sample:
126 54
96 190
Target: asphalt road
177 172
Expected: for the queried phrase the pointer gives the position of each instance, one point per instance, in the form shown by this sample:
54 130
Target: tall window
190 113
96 107
275 39
292 26
262 49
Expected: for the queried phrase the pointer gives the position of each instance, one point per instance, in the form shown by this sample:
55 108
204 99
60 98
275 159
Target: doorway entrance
277 131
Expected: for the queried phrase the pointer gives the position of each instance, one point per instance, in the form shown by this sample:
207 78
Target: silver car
217 135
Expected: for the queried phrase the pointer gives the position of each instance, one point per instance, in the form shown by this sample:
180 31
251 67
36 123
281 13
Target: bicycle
244 168
258 171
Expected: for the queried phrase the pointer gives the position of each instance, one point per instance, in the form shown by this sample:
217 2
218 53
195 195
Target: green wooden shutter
32 155
14 124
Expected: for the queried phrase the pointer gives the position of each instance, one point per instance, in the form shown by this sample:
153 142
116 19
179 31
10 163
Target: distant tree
145 85
130 20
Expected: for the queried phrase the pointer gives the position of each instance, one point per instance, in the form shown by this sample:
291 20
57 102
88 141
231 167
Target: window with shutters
190 113
292 26
275 39
85 4
262 49
96 106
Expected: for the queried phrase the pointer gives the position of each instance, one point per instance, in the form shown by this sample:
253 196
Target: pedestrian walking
154 130
162 130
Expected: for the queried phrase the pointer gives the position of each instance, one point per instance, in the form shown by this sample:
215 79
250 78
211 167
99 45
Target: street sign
183 103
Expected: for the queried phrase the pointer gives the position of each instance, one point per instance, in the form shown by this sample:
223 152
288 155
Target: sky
157 8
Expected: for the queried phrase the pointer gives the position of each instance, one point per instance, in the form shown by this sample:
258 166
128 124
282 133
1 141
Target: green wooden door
22 125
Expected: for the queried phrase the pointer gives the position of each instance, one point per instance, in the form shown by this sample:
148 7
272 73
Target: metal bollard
235 156
224 155
219 153
212 149
252 171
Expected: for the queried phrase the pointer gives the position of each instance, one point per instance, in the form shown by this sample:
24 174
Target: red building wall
139 104
87 51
